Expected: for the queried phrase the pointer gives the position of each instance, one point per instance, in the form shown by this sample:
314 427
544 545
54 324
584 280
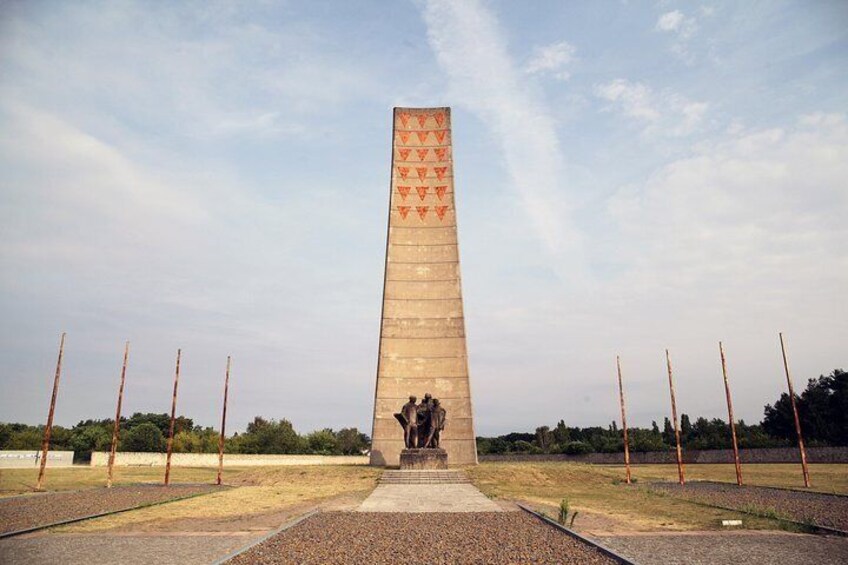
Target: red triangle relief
404 211
440 135
422 119
440 118
404 136
422 191
441 153
440 172
440 191
422 173
440 211
404 191
404 118
403 172
422 211
422 153
404 154
422 136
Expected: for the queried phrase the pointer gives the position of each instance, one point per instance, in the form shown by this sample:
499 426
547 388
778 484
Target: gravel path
730 548
24 512
808 507
433 538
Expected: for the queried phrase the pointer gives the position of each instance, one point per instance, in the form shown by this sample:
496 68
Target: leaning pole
730 419
173 417
623 421
117 425
801 448
48 429
223 436
680 471
422 328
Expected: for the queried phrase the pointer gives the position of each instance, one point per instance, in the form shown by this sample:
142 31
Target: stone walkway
427 491
111 548
729 548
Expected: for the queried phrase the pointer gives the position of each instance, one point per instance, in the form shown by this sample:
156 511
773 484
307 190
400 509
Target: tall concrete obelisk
422 334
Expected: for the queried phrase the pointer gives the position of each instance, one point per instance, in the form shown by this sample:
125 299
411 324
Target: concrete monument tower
422 334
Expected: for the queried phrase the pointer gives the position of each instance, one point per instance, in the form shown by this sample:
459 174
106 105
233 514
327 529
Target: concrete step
423 478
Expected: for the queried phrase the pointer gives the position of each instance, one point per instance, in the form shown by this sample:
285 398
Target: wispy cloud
659 113
738 212
470 47
682 28
553 60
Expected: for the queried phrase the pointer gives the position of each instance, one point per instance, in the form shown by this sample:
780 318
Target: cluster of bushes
822 407
149 432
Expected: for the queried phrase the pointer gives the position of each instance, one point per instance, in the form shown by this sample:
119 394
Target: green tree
145 437
270 436
323 442
685 428
544 439
88 438
668 433
645 440
27 438
352 442
561 433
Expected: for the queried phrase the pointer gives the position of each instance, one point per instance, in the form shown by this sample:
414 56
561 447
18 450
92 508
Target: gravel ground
730 548
24 512
433 538
808 507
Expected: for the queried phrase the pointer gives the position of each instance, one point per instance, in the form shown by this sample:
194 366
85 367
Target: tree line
822 408
148 433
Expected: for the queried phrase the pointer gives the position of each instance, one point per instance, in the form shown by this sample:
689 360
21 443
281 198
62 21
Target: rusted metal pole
117 426
623 421
173 417
680 471
223 424
48 429
804 468
736 460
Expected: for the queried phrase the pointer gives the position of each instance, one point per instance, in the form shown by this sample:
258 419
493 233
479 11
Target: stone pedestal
429 459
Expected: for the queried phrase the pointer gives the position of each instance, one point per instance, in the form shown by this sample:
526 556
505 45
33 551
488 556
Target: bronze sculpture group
422 423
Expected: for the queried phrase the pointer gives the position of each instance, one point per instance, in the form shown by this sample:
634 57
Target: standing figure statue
422 423
408 418
437 423
424 419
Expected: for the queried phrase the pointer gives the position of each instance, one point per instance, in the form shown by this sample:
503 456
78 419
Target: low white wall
129 459
29 459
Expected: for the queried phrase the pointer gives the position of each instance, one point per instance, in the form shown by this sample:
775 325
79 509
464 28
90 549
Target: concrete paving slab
108 549
729 548
427 498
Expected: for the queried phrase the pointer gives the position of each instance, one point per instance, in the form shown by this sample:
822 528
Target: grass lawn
830 478
598 492
22 481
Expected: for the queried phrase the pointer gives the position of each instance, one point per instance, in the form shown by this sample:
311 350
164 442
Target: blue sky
213 176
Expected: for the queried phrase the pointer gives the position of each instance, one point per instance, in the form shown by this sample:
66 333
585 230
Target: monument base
426 459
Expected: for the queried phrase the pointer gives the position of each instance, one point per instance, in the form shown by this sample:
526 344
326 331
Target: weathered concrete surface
428 498
114 548
127 458
422 334
743 547
423 459
20 459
